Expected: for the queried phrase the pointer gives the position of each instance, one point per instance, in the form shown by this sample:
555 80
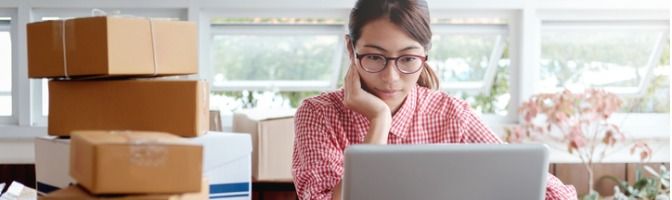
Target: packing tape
144 151
151 32
65 57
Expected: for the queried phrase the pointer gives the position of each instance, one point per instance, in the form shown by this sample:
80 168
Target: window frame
10 118
11 28
662 32
501 31
282 30
514 28
657 123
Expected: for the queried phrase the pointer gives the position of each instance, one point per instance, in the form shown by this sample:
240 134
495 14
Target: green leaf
592 195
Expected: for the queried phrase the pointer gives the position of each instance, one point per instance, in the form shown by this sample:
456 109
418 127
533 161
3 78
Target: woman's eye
373 57
408 59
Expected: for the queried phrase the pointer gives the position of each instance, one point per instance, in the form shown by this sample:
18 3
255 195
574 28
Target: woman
389 97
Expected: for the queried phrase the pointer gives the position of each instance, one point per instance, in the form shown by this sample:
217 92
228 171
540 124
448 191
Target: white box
52 164
227 164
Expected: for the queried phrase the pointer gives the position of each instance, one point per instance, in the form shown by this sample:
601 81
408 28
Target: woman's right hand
372 107
361 101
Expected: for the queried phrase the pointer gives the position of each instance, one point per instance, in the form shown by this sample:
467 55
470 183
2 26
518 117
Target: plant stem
589 168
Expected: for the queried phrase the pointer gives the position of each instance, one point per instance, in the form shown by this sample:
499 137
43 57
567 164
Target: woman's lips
387 94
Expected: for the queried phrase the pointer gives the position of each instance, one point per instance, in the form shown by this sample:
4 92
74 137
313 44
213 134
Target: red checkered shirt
325 127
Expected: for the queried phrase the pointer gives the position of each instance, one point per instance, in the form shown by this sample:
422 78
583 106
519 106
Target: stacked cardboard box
174 106
129 162
124 123
226 164
111 47
95 48
272 136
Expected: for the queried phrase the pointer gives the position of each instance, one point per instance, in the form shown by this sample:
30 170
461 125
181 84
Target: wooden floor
573 174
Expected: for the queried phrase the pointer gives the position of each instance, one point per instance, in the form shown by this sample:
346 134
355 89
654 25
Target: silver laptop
445 171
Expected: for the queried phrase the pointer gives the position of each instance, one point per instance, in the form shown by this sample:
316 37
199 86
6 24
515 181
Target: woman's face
383 37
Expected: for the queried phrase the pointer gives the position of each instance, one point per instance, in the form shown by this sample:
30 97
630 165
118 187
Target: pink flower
645 150
573 114
609 138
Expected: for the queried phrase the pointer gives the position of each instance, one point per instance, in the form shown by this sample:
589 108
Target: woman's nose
390 72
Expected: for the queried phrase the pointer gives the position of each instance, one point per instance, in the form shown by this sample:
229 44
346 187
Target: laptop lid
445 171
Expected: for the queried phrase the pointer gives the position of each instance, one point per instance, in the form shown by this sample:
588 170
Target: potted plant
655 187
579 121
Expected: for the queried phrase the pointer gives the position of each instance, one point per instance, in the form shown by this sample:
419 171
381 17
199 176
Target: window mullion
654 58
336 63
491 71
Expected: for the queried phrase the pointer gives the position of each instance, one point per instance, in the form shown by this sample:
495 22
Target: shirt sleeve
317 161
472 128
474 131
556 190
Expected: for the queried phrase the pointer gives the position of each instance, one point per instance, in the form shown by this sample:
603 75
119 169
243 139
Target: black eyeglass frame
396 61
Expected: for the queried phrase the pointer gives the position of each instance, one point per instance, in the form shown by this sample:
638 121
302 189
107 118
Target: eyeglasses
407 64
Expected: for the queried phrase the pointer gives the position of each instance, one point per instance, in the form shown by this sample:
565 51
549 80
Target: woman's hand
372 107
361 101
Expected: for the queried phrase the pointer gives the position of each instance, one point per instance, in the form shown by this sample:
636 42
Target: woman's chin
394 103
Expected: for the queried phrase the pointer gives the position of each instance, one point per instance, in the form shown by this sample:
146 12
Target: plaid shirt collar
402 117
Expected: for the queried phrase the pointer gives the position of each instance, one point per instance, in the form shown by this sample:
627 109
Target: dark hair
412 16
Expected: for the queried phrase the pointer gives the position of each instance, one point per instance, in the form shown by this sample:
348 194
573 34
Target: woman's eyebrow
385 50
375 47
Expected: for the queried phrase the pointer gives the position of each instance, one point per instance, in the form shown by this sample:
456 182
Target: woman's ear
348 44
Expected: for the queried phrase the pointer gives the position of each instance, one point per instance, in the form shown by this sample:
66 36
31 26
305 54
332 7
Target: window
627 58
5 68
288 59
469 57
273 62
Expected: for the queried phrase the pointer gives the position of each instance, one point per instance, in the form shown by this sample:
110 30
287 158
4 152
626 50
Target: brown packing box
111 46
178 107
273 143
133 162
77 193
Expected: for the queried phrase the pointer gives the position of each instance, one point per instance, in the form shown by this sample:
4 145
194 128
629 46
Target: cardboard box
226 164
51 164
132 162
178 107
76 192
272 140
111 46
